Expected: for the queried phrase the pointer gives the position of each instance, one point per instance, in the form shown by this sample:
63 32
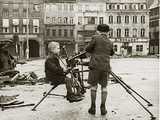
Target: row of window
36 8
36 30
17 11
60 32
70 20
60 7
93 20
112 6
127 32
127 19
60 20
126 6
88 7
139 48
8 22
16 29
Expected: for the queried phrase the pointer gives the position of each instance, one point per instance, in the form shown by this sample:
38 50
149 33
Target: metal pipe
34 108
27 39
113 74
129 92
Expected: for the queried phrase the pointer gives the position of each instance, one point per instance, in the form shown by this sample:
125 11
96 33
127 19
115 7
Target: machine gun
72 62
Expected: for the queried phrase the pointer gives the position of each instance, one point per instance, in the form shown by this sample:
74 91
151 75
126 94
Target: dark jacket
101 48
53 70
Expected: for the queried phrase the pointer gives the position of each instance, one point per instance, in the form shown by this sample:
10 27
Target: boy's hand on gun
66 71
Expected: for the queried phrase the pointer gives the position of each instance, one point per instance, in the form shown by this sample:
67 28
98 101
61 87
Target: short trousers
98 77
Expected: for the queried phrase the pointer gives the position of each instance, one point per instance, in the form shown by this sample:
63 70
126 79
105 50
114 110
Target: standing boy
100 49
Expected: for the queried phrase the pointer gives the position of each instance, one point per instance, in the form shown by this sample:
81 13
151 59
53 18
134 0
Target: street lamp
27 42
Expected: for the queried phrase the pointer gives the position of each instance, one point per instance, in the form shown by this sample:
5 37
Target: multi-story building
129 23
59 23
154 24
128 20
90 13
22 20
74 21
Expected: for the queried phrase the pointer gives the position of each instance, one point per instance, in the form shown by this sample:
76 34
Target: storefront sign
126 39
129 40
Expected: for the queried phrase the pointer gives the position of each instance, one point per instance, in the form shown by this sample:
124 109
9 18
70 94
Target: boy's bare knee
104 89
94 88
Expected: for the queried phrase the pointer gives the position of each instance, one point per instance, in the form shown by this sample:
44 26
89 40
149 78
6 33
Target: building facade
23 20
154 23
73 22
128 20
59 23
90 13
129 23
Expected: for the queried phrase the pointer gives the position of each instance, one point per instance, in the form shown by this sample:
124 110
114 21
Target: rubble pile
5 100
8 102
15 78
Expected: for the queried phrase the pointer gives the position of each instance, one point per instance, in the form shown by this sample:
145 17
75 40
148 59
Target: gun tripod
77 82
44 96
129 90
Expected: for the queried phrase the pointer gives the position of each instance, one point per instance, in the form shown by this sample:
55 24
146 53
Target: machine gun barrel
81 55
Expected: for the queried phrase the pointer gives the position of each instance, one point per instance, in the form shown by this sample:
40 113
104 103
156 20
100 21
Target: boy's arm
53 67
90 47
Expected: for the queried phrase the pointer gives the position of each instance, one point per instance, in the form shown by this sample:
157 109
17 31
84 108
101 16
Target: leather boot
92 110
103 109
103 101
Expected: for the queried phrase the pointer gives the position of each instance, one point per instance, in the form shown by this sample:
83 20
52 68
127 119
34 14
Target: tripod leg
34 108
152 117
116 77
129 92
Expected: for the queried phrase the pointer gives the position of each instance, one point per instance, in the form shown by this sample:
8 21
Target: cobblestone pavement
140 73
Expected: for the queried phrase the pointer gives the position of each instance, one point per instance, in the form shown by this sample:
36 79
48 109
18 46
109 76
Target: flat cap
103 28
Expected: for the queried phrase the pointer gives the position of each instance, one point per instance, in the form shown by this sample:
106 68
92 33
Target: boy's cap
53 45
103 28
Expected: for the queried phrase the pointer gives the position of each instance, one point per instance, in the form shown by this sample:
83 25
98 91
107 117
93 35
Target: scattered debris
7 102
18 79
27 78
16 106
